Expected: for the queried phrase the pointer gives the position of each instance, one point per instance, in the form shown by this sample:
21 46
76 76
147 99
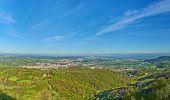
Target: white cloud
6 18
162 6
54 38
64 14
48 20
88 41
13 33
130 12
74 10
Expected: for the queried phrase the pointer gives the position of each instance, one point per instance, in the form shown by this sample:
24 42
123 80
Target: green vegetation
159 90
136 80
73 83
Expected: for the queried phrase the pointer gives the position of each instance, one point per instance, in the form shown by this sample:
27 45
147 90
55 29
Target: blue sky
84 26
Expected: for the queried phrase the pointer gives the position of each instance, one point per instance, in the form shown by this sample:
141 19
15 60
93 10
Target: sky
84 26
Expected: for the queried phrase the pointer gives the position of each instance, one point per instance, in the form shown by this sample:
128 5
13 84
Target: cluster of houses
63 64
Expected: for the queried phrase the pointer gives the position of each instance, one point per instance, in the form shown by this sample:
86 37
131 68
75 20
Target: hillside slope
63 84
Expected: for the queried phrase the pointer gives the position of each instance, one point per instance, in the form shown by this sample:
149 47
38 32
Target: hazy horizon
142 55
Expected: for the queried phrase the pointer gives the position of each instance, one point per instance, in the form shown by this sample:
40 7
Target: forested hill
159 59
58 84
163 61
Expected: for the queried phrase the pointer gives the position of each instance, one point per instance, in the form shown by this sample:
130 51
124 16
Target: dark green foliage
159 90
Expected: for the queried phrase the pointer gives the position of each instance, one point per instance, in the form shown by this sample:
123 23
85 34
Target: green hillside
62 84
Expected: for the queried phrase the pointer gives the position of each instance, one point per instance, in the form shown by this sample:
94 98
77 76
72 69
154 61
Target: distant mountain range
161 62
159 59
